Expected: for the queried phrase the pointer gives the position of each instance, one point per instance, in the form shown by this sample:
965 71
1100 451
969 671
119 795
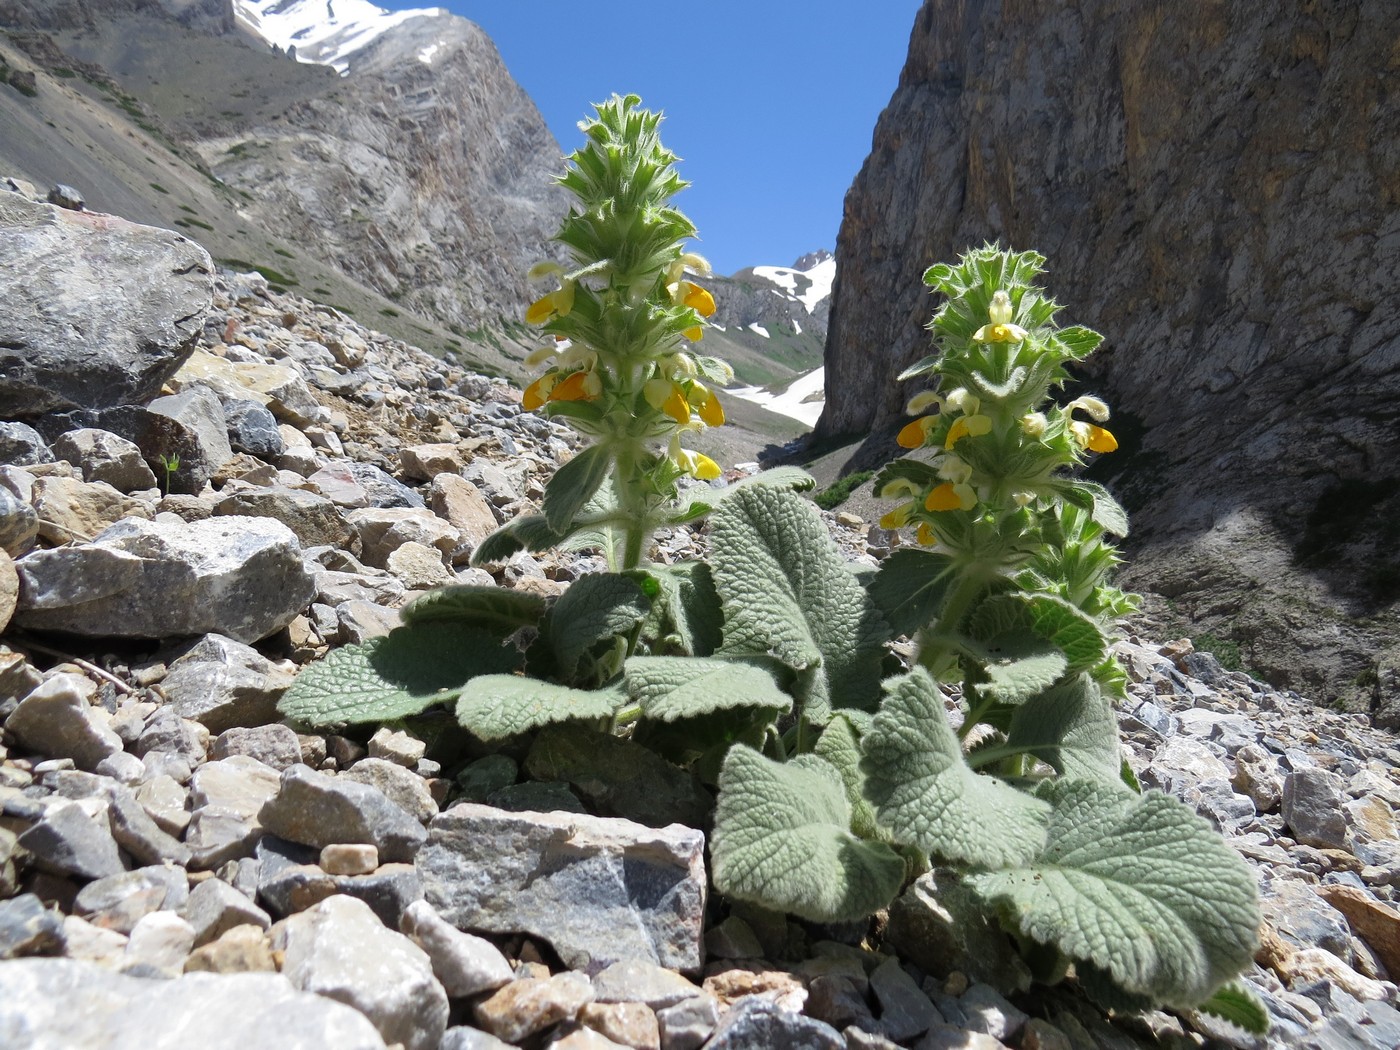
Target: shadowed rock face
1215 189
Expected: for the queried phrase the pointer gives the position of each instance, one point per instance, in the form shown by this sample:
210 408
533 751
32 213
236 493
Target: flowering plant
988 770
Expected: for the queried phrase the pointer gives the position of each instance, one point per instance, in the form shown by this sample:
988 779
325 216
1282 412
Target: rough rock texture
1236 247
600 890
71 340
243 577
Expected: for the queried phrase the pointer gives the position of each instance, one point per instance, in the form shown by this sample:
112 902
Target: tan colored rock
419 566
424 462
466 509
525 1007
243 949
777 986
382 530
1375 923
70 509
629 1024
349 858
1318 964
9 589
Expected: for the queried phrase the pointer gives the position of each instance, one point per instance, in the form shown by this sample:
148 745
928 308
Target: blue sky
771 106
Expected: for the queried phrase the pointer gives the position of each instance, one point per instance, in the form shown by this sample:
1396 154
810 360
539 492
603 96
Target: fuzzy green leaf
922 367
909 588
686 606
400 674
1072 727
1018 666
840 745
927 796
1052 618
701 501
787 592
1076 342
1139 886
490 608
527 532
1237 1004
573 485
496 706
1107 512
594 609
782 839
672 687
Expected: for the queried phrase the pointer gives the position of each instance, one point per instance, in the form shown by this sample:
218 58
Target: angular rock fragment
56 721
316 810
600 890
466 965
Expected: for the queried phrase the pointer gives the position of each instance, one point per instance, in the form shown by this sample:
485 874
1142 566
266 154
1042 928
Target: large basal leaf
501 705
788 592
490 608
1012 616
909 588
1139 886
673 687
595 608
782 839
840 745
573 485
400 674
1072 727
926 794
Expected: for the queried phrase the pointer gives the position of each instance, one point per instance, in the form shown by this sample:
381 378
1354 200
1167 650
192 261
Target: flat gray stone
104 456
67 841
1312 807
222 694
404 788
754 1022
688 1024
28 928
214 907
119 902
19 524
99 311
905 1011
55 721
635 981
137 832
314 519
243 577
252 428
316 810
188 427
23 446
339 949
600 890
274 745
211 1011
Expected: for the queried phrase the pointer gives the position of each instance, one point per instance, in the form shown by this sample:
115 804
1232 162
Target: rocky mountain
179 867
1214 187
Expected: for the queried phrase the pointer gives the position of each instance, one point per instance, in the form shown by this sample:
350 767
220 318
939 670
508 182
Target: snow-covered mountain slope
809 285
803 399
325 31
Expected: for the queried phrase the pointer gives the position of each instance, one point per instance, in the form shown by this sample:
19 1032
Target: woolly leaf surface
502 705
673 687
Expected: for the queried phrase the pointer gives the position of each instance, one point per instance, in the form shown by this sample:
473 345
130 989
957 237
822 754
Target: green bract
839 773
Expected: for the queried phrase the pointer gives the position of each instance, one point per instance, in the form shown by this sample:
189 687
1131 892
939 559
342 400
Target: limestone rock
462 505
340 950
316 810
313 518
67 841
755 1022
600 890
104 456
28 928
146 579
527 1006
99 311
19 525
55 721
70 509
405 789
22 445
188 427
466 965
227 1012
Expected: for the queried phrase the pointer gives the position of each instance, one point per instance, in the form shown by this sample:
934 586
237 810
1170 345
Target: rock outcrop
1235 243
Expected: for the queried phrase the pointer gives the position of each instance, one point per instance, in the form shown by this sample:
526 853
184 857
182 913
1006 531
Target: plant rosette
765 673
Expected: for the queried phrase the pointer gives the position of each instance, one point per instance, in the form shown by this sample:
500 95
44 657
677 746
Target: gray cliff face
1215 189
429 183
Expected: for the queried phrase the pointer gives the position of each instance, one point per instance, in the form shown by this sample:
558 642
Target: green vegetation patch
840 490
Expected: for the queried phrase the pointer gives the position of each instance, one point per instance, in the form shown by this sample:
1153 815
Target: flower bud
1000 309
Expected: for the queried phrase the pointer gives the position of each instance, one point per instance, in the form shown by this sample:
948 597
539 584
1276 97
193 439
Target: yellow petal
957 430
575 388
699 300
914 434
712 412
705 468
897 518
563 299
925 535
967 496
943 498
694 333
676 405
537 392
541 310
658 392
1100 440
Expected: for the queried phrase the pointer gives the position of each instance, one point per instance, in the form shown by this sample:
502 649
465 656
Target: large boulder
98 311
1237 247
243 577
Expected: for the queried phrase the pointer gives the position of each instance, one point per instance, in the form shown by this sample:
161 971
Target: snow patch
821 277
758 329
324 31
426 55
803 400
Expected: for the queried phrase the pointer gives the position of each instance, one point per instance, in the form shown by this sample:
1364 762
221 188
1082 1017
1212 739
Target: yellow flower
915 433
694 333
537 393
706 404
1033 424
922 402
579 386
899 516
925 535
967 426
1001 330
697 298
1095 407
666 396
953 468
557 303
949 496
1092 437
964 401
